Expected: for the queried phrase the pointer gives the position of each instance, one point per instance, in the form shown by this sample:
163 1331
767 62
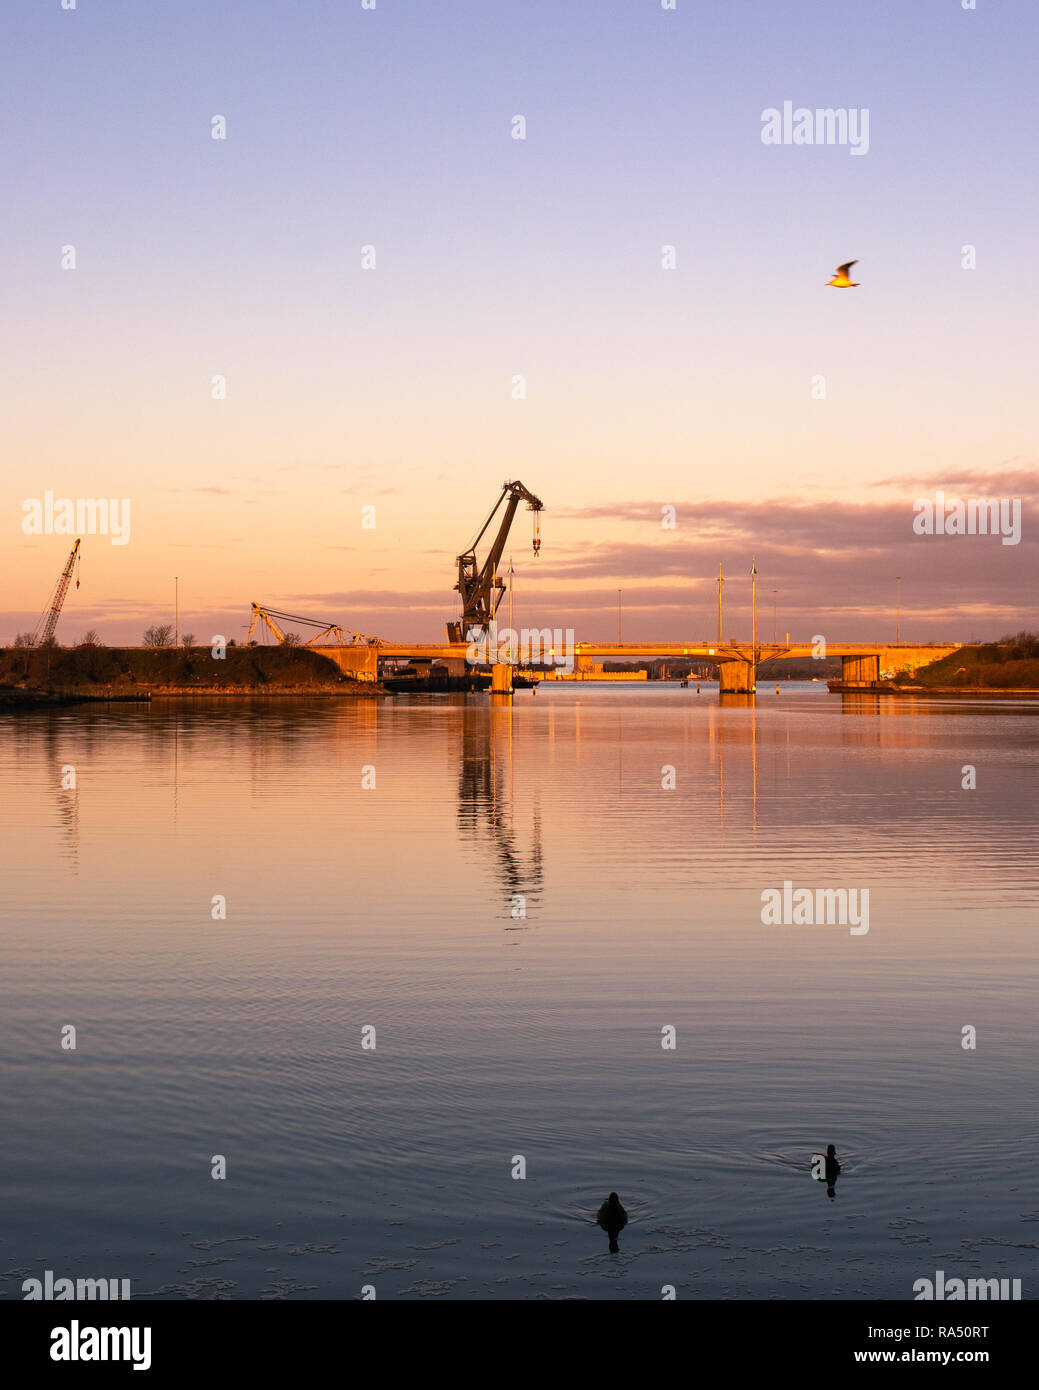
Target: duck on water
612 1218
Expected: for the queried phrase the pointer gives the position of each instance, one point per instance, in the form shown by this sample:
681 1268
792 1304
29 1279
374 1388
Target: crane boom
480 587
49 618
264 616
330 634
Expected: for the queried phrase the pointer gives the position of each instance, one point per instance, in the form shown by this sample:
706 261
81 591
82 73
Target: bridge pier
501 678
737 678
860 670
360 662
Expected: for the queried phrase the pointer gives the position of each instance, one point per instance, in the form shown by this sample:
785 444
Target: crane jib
49 619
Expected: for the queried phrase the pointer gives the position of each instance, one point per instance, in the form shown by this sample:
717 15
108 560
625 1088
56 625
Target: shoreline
350 689
837 687
15 698
986 690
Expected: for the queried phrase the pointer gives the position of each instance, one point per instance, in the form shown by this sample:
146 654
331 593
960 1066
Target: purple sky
781 418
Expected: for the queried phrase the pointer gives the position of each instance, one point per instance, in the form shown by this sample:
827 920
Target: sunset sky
497 257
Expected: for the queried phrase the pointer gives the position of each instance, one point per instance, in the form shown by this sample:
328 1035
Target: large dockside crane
49 618
481 588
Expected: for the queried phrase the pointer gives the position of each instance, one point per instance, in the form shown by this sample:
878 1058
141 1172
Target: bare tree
23 639
188 640
92 639
161 635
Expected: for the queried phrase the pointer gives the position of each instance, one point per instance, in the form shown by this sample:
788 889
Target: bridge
862 663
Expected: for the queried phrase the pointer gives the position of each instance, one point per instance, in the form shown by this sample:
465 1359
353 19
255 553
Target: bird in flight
842 280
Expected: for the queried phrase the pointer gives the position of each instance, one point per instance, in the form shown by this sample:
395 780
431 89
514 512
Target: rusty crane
480 586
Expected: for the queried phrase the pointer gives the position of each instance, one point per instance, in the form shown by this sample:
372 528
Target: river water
521 901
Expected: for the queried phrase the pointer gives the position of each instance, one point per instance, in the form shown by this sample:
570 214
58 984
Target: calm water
499 1035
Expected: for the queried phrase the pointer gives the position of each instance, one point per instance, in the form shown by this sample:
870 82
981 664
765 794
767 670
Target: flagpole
754 608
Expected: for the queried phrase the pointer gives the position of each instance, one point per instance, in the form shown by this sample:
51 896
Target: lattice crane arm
49 619
269 617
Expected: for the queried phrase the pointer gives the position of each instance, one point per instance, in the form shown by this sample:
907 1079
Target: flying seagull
842 280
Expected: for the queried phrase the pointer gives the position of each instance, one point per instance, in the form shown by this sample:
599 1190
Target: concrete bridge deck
862 662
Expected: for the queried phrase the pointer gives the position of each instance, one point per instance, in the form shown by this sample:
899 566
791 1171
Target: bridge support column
860 670
360 662
737 678
501 678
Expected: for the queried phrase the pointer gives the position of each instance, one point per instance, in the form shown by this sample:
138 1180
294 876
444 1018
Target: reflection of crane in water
58 756
485 805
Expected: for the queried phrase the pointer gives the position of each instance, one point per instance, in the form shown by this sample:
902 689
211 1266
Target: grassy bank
1012 665
18 698
184 668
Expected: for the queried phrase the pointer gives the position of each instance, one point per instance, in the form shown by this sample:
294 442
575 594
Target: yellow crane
330 634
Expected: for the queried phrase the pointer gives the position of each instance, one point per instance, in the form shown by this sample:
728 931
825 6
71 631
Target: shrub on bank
257 667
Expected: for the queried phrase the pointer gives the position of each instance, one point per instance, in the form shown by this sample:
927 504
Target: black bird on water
612 1218
832 1169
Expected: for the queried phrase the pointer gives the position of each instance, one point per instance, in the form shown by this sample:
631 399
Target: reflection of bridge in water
862 663
499 814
